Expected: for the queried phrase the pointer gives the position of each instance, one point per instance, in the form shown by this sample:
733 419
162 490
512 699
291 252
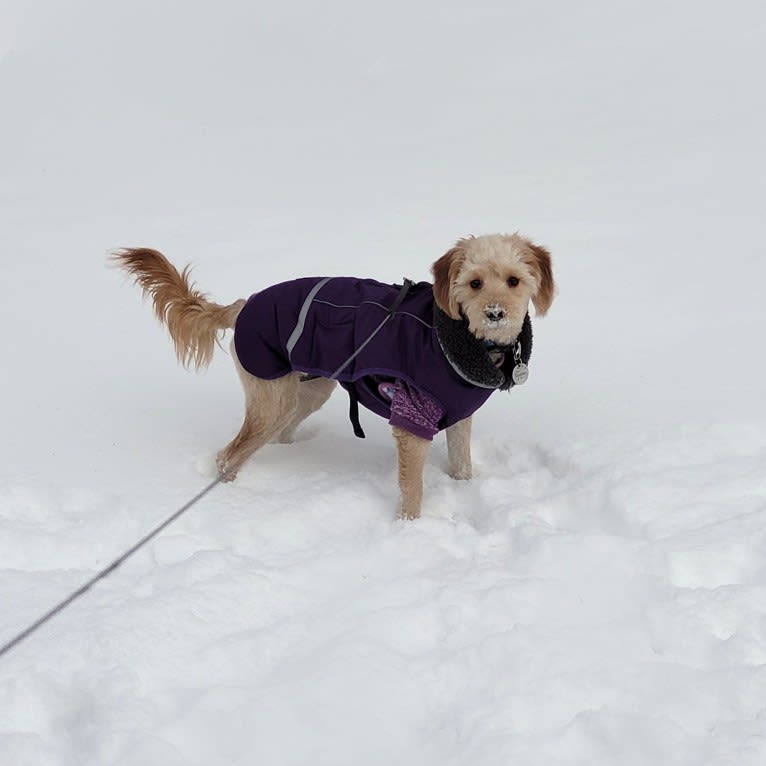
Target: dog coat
314 325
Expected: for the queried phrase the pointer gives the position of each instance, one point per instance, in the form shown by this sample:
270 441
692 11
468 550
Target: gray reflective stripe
298 331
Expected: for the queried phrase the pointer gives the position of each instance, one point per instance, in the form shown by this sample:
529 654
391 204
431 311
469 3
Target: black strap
353 412
401 295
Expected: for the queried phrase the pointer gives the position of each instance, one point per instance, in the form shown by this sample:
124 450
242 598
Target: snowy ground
596 595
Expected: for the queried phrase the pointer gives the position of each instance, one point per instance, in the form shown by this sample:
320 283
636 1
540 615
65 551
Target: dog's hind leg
312 394
269 407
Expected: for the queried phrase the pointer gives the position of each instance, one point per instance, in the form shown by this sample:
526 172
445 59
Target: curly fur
490 281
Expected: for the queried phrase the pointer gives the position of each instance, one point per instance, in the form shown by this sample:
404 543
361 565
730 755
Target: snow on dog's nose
495 314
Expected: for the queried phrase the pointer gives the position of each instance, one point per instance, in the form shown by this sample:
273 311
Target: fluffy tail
194 322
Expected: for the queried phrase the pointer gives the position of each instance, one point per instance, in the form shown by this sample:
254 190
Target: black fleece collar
469 357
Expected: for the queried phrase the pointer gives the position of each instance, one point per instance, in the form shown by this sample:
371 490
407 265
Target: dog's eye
513 281
475 283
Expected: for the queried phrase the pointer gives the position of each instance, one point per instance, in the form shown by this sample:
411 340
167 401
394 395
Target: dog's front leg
412 453
459 449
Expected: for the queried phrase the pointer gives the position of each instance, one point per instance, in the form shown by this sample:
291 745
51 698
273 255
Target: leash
83 589
106 571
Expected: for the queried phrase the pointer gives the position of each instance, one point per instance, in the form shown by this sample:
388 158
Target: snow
595 595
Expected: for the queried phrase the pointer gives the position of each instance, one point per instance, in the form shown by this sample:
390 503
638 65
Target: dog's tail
193 321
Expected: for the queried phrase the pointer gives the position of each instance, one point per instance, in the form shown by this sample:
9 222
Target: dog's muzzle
495 316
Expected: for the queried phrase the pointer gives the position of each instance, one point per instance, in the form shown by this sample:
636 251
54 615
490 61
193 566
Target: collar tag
520 372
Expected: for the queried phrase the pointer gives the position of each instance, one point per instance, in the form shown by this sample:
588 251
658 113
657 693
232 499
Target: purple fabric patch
414 411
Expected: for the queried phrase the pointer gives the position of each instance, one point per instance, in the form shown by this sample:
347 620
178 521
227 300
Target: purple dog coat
313 325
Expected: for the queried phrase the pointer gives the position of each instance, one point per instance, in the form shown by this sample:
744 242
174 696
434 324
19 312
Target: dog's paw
225 471
407 513
461 474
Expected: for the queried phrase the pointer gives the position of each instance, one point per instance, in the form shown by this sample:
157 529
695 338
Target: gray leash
106 571
390 312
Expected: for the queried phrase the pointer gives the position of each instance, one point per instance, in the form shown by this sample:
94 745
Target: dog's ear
445 272
540 261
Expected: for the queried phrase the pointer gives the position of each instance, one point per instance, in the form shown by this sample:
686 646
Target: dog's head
490 280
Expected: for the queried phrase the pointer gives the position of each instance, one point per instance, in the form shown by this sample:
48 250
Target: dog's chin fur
495 273
504 334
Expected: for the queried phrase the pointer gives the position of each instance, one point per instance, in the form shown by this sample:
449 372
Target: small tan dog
426 357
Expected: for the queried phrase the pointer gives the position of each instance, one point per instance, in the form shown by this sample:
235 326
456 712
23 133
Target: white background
596 595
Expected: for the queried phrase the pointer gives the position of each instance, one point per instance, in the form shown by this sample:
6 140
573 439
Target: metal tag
520 374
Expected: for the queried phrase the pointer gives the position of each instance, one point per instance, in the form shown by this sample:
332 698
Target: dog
424 356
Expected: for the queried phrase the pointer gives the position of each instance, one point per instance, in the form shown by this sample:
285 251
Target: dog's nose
494 313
